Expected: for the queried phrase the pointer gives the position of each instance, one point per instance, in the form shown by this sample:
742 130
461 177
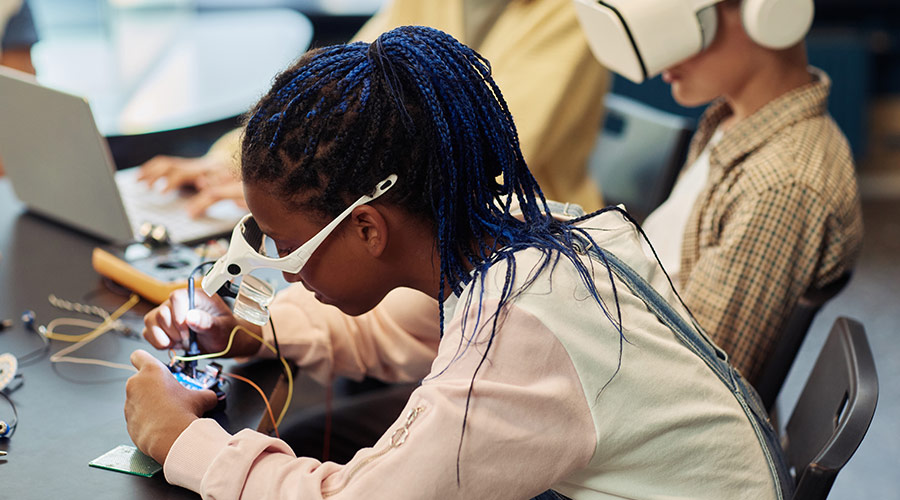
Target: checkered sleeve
745 284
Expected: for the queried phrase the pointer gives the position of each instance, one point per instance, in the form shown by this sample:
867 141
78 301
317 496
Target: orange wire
261 393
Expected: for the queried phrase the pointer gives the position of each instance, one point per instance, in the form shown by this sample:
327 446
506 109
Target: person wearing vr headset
565 366
767 206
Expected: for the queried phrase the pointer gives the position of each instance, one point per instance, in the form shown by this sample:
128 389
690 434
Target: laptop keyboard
144 204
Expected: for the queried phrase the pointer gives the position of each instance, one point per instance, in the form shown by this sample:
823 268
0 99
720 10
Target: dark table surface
70 414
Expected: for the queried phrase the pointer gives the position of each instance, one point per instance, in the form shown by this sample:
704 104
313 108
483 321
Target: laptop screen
57 162
60 167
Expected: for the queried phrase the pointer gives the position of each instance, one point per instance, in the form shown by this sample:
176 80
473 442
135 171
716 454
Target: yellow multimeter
153 273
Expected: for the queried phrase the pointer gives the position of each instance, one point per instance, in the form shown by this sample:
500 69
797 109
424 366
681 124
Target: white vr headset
638 39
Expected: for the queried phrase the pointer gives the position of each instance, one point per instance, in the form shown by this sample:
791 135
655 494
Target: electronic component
28 319
206 379
7 429
211 377
127 459
8 366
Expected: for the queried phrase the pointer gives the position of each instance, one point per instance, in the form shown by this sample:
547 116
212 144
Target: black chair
833 412
776 369
638 154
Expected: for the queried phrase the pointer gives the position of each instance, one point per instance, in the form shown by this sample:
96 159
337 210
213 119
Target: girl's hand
157 408
167 325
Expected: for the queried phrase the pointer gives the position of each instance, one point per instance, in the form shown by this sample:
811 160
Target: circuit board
203 380
128 459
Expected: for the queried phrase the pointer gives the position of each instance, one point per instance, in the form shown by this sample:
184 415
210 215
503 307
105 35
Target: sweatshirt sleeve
394 342
745 283
527 426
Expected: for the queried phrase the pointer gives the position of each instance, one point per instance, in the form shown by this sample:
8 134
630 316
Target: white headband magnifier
247 250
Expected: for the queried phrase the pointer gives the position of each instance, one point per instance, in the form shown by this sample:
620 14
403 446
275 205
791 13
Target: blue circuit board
203 380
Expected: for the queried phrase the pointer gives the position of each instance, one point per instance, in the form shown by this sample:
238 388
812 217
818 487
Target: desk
70 414
152 72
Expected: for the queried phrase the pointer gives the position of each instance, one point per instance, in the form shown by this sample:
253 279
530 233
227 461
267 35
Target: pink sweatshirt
664 427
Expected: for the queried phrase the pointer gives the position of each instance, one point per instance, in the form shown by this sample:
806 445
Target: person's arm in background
745 284
215 175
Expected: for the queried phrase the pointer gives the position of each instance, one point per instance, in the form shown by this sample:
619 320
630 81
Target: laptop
60 167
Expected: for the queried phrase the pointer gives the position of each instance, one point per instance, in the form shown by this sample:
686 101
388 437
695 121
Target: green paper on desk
128 459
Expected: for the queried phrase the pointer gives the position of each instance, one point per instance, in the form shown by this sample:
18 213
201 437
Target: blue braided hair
419 104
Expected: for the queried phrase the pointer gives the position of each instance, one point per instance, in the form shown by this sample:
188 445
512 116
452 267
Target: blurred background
170 76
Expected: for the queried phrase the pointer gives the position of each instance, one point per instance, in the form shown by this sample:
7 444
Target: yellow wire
287 368
51 334
222 352
105 326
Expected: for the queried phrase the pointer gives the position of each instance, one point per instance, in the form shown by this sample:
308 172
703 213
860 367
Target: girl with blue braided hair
554 358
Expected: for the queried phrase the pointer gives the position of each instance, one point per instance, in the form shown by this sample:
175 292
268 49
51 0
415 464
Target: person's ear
370 226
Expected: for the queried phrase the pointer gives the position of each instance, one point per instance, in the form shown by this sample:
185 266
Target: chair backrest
776 369
833 412
638 154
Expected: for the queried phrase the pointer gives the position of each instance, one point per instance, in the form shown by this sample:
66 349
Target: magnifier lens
253 299
253 235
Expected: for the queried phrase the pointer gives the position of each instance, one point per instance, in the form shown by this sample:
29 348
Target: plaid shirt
779 215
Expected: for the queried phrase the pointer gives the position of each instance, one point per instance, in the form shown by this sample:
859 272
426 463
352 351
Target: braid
418 104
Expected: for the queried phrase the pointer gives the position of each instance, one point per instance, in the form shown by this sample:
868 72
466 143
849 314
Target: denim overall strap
697 341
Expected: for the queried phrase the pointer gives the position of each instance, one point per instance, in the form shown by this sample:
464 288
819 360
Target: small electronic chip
128 459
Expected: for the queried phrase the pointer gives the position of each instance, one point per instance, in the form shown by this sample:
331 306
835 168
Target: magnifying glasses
247 252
